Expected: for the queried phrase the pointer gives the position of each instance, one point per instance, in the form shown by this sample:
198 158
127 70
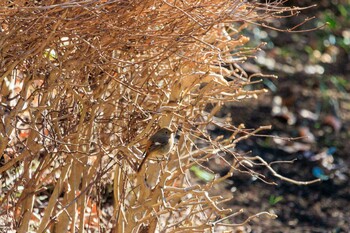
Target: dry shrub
85 83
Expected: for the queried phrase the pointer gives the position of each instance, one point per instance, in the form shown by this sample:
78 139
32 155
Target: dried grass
84 84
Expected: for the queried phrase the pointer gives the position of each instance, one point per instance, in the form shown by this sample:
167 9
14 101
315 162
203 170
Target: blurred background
309 102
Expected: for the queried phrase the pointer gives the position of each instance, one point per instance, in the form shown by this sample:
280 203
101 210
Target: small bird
159 144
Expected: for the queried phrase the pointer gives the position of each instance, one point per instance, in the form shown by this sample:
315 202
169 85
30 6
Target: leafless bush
85 83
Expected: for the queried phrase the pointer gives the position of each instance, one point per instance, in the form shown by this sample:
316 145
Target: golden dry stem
85 83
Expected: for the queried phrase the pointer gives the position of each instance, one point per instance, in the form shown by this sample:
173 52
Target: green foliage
202 174
273 200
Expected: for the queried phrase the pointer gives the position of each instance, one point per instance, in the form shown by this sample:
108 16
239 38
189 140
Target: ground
310 102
